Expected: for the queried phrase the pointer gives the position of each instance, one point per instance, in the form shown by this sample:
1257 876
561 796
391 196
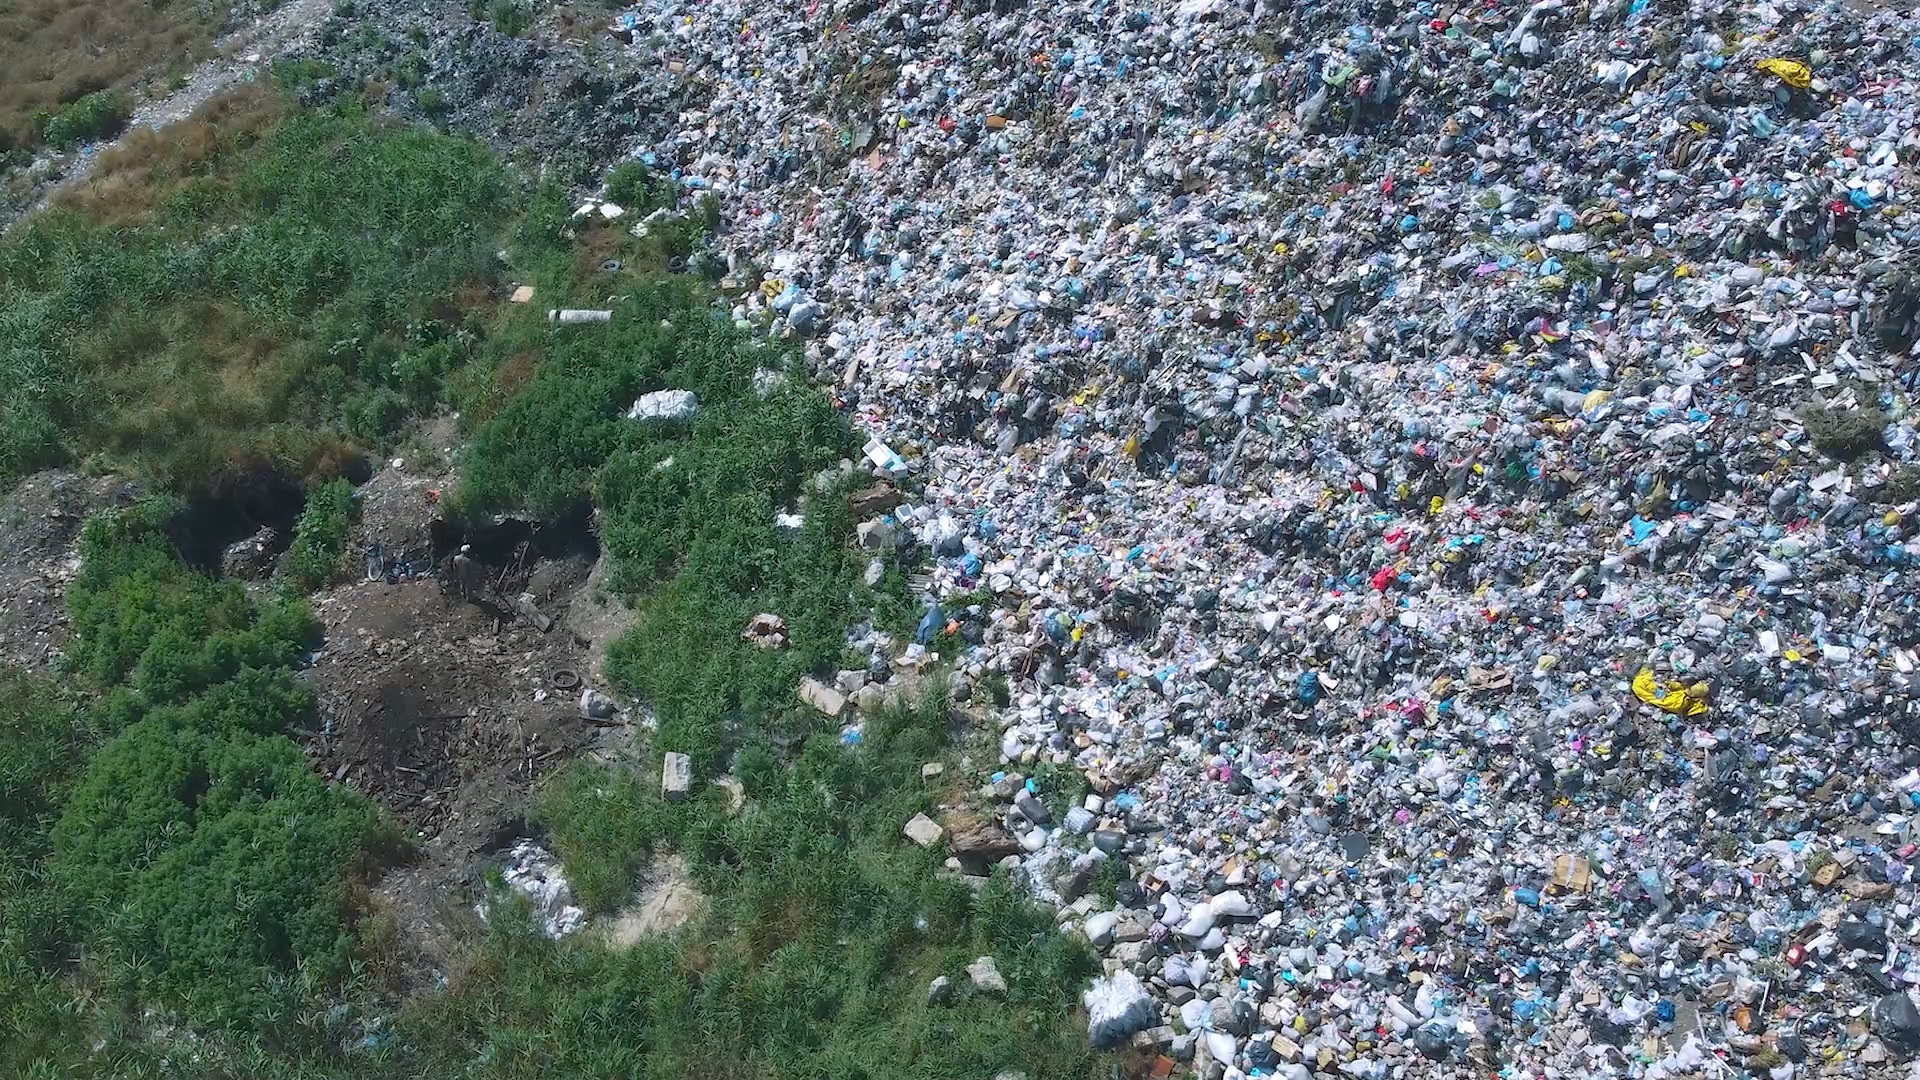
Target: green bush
98 115
197 856
320 535
44 740
512 17
143 618
1903 486
410 72
637 189
296 75
194 860
211 866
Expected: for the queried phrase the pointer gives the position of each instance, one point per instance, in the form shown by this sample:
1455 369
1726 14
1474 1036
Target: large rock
940 991
821 696
923 830
871 501
1132 926
676 776
986 976
982 844
664 405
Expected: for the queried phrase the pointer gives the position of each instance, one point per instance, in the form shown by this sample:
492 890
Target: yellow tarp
1691 701
1792 72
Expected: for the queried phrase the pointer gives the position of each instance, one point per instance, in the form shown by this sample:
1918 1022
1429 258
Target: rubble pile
1436 482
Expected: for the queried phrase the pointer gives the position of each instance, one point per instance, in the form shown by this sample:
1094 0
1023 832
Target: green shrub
194 860
142 617
212 867
1844 434
98 115
433 102
637 189
44 741
512 17
320 535
1903 486
411 71
295 75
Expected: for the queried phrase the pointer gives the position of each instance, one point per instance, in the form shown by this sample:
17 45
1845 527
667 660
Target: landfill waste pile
532 872
1434 484
1422 496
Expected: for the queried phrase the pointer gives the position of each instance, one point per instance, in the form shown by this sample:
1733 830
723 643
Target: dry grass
53 52
147 168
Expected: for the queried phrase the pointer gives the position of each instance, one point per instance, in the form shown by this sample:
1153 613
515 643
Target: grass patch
266 270
827 927
58 53
44 739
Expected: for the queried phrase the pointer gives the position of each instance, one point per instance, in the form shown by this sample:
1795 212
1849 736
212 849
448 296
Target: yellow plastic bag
1792 72
1691 701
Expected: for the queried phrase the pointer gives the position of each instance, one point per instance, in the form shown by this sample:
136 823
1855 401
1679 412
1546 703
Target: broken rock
878 499
982 843
766 631
821 696
528 610
676 776
986 976
940 990
924 831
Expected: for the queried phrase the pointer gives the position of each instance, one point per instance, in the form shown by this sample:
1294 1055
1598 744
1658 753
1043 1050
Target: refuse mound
1427 488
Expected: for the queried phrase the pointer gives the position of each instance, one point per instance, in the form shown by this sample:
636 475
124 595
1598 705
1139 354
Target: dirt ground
442 709
450 711
666 899
39 528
